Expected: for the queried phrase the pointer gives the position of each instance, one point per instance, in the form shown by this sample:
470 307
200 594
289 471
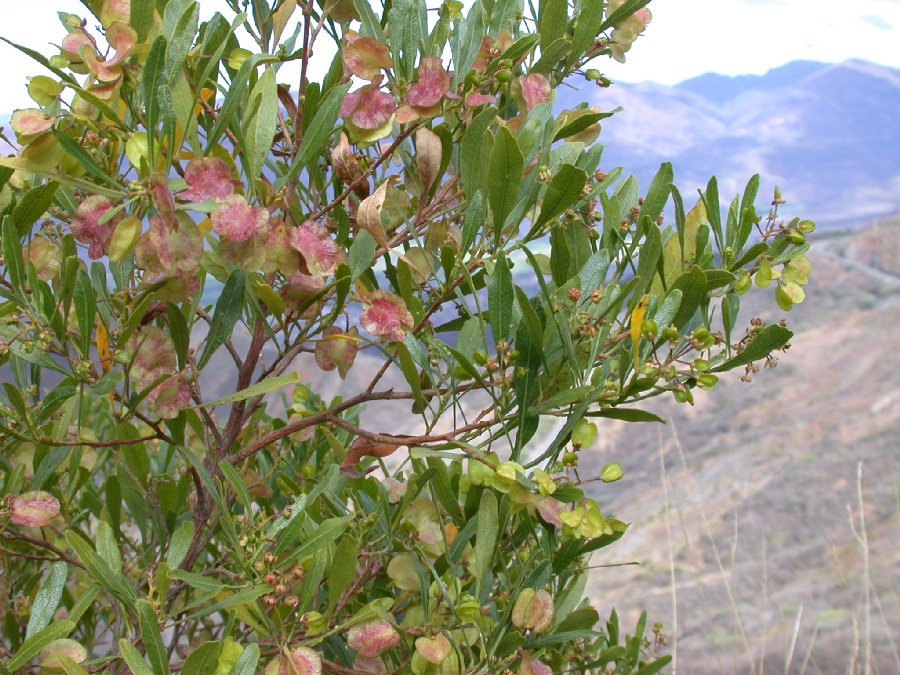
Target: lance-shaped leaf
504 176
226 315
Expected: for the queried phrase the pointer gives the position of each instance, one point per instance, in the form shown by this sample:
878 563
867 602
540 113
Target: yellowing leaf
368 217
103 346
637 320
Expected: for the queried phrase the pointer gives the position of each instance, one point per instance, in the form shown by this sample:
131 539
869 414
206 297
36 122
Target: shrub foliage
193 244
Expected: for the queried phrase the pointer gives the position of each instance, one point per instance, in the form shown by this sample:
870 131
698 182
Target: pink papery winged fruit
386 316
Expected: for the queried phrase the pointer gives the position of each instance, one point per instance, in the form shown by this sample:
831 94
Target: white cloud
687 38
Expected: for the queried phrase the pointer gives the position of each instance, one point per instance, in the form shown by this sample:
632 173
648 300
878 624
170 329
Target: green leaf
693 291
408 28
133 659
179 544
655 666
500 299
316 135
259 129
72 147
203 660
181 40
85 310
12 253
152 638
35 643
141 18
231 475
504 177
154 75
473 221
627 415
226 315
100 571
198 581
553 21
47 599
246 663
588 27
327 532
108 548
769 339
342 571
33 205
563 190
472 149
485 542
411 373
361 254
658 193
268 385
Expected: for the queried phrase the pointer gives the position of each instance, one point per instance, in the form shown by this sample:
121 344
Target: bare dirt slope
749 500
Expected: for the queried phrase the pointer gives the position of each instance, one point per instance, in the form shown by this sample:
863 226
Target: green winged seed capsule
611 473
584 434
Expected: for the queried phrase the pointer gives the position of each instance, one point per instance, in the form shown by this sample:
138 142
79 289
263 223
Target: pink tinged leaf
475 100
433 84
319 250
87 228
368 108
535 89
153 355
30 122
207 178
237 220
170 397
373 637
387 316
365 57
33 509
549 509
337 349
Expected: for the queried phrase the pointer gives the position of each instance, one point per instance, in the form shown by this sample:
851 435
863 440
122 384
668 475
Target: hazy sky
685 39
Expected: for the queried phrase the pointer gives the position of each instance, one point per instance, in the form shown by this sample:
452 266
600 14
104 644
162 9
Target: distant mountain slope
828 134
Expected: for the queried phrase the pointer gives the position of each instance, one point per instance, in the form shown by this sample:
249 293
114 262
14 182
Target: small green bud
570 459
480 357
701 365
592 74
670 333
806 226
796 237
504 75
742 283
649 327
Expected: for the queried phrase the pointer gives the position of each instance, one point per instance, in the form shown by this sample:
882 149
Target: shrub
177 217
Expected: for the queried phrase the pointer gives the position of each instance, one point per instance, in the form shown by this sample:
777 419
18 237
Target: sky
686 38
